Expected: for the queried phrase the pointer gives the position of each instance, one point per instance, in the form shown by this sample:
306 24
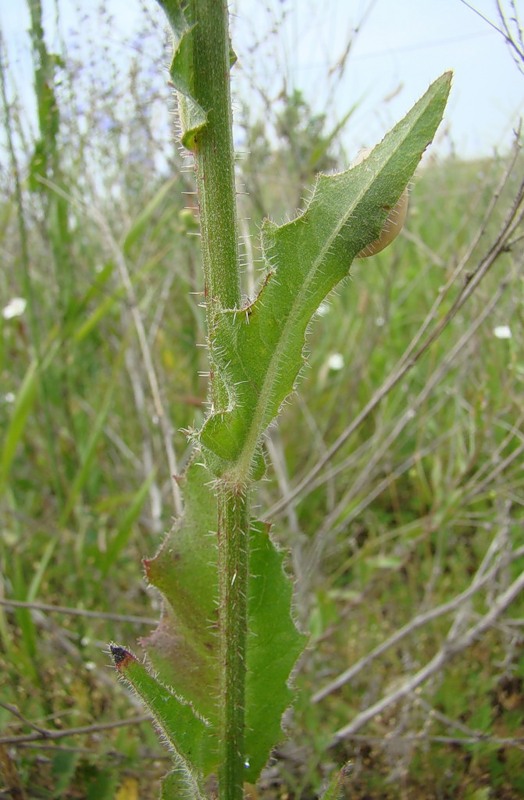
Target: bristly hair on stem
227 643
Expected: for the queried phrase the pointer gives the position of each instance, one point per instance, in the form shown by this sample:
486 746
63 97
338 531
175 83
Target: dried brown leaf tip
121 656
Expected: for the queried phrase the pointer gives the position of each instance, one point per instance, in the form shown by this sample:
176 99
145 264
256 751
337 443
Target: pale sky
401 47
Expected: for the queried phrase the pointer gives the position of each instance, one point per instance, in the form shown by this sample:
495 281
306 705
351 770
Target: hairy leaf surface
192 116
257 353
273 646
259 348
189 735
184 648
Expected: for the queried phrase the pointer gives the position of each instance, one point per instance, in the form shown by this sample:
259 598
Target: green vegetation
418 503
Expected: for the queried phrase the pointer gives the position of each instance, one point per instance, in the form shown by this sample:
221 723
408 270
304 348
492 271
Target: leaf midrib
255 428
256 425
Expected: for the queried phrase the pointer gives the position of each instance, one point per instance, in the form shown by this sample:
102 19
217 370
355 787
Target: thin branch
134 372
113 755
484 18
418 346
414 624
163 418
517 741
78 612
454 723
278 462
331 529
44 733
514 40
16 713
321 539
475 489
449 650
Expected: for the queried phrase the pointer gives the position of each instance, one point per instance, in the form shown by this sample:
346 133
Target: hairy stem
214 160
214 164
233 564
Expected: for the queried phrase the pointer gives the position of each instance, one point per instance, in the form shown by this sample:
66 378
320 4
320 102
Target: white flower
502 332
14 308
335 361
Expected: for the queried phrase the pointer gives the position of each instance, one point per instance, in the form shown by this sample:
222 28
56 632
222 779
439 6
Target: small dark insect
119 654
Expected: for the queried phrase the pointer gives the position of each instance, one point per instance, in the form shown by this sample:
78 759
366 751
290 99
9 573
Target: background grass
103 373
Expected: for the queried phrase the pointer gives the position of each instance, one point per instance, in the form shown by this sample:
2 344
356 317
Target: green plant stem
233 563
214 162
214 159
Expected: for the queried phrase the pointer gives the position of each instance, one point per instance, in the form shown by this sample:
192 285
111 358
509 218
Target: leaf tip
445 80
121 657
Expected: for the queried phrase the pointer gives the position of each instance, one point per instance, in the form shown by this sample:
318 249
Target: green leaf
192 116
88 456
187 732
125 528
259 348
102 785
143 220
25 400
184 648
176 785
63 768
336 789
273 646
